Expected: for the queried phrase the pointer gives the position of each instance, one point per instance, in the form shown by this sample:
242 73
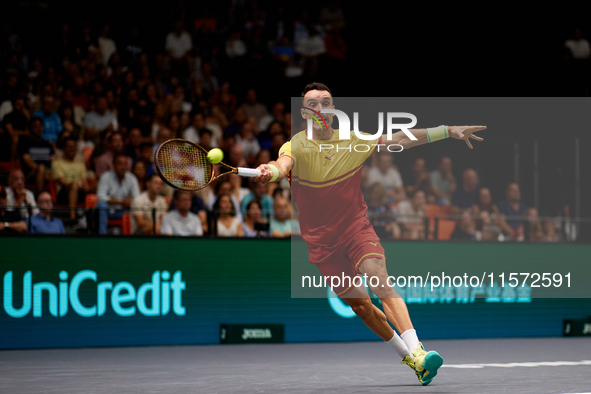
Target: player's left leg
424 363
374 318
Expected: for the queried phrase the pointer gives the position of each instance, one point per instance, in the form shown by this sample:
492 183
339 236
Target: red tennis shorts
344 258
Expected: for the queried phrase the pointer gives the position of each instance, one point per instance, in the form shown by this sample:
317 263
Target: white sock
399 345
410 339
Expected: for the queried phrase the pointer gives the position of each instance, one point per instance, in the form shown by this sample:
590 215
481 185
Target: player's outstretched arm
283 165
423 136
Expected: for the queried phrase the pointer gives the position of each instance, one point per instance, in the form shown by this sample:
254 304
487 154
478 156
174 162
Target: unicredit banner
153 298
81 292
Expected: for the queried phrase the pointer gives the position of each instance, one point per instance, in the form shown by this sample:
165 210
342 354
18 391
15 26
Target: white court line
525 364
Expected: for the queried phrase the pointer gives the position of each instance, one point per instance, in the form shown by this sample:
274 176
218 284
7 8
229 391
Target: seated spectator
139 170
44 222
52 124
284 52
36 154
247 141
488 217
263 157
265 136
181 221
197 207
66 113
70 177
379 213
59 147
533 231
254 225
411 216
16 125
512 212
104 162
464 197
550 231
228 224
191 133
295 221
567 227
142 219
443 183
311 48
236 157
280 225
18 196
258 193
419 179
147 156
238 192
277 114
223 186
116 190
6 153
206 140
178 46
277 141
252 108
164 134
11 222
134 139
465 228
387 174
99 120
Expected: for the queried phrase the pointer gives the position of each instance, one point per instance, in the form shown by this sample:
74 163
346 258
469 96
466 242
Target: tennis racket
183 165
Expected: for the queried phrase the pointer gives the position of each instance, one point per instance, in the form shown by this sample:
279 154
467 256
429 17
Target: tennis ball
215 155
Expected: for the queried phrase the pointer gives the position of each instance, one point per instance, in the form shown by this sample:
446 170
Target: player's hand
265 175
466 133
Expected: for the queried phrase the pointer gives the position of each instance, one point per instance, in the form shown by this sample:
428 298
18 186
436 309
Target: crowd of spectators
402 208
82 116
80 122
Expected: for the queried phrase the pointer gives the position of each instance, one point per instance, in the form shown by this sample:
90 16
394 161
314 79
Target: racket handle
248 172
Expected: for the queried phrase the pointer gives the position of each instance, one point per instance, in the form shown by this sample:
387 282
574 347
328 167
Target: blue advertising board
81 292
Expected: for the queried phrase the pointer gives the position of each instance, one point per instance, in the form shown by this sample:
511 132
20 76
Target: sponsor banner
252 333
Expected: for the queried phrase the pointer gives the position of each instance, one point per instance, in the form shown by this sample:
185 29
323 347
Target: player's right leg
425 363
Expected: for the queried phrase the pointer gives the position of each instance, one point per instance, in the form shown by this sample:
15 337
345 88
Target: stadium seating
445 229
126 223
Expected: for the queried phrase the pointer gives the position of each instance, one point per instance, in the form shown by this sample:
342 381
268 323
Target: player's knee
375 267
362 310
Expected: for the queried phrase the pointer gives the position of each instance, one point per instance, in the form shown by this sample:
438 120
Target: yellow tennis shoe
425 364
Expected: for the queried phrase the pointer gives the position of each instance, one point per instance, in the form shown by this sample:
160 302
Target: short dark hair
33 120
118 155
16 98
69 139
253 201
315 86
219 184
146 144
216 204
44 191
110 136
177 193
205 131
148 178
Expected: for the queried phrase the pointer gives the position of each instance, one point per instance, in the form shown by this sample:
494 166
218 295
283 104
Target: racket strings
183 165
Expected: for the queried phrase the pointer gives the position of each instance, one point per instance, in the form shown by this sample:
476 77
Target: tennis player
326 186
